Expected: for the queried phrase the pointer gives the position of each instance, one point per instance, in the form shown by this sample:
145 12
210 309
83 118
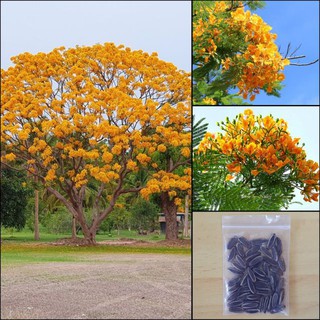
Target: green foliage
59 221
254 4
14 198
198 131
119 218
251 4
211 191
145 215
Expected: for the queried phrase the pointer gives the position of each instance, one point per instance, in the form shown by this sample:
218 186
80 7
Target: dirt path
105 286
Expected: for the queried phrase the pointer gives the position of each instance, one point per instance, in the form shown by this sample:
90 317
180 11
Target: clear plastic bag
256 264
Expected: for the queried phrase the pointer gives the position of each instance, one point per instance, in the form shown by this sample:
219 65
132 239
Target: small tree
97 113
144 214
254 165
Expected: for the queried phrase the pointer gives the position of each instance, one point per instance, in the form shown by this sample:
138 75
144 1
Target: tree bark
170 212
74 228
36 216
186 214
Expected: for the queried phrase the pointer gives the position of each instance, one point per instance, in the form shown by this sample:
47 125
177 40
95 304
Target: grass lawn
21 248
26 235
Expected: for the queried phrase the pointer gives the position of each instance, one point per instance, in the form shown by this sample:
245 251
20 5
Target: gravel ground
108 286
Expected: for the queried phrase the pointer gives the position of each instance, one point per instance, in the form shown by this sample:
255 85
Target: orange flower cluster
255 58
262 61
168 182
206 32
258 145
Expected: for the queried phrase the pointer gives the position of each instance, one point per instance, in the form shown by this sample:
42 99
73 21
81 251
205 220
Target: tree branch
304 64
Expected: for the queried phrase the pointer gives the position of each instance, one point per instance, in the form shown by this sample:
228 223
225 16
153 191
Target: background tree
254 165
100 114
14 198
145 215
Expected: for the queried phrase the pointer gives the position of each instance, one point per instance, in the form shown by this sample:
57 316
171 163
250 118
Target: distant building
180 221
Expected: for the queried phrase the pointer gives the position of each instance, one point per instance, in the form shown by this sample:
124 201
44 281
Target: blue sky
295 22
161 26
303 122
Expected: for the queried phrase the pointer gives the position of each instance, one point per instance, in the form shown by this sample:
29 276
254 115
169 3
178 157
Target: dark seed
235 303
263 292
262 284
251 285
233 296
274 253
253 297
234 270
271 241
244 296
235 309
278 246
232 254
253 250
259 272
251 257
233 241
251 304
280 284
233 288
274 300
271 282
243 280
245 242
240 249
234 281
266 252
265 268
241 262
276 270
253 310
266 302
238 265
256 261
251 275
270 261
261 304
281 295
258 242
270 303
282 264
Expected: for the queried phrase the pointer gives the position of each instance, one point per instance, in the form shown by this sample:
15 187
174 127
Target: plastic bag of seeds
256 264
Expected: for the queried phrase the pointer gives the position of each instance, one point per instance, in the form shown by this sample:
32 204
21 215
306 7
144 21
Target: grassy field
21 248
26 236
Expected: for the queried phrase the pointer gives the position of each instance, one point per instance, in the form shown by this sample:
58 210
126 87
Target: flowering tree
255 164
233 48
98 114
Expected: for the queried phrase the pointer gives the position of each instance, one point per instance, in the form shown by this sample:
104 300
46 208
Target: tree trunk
186 213
36 215
89 235
74 227
170 212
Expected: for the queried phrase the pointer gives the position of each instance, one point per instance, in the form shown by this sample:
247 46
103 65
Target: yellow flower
10 156
162 148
